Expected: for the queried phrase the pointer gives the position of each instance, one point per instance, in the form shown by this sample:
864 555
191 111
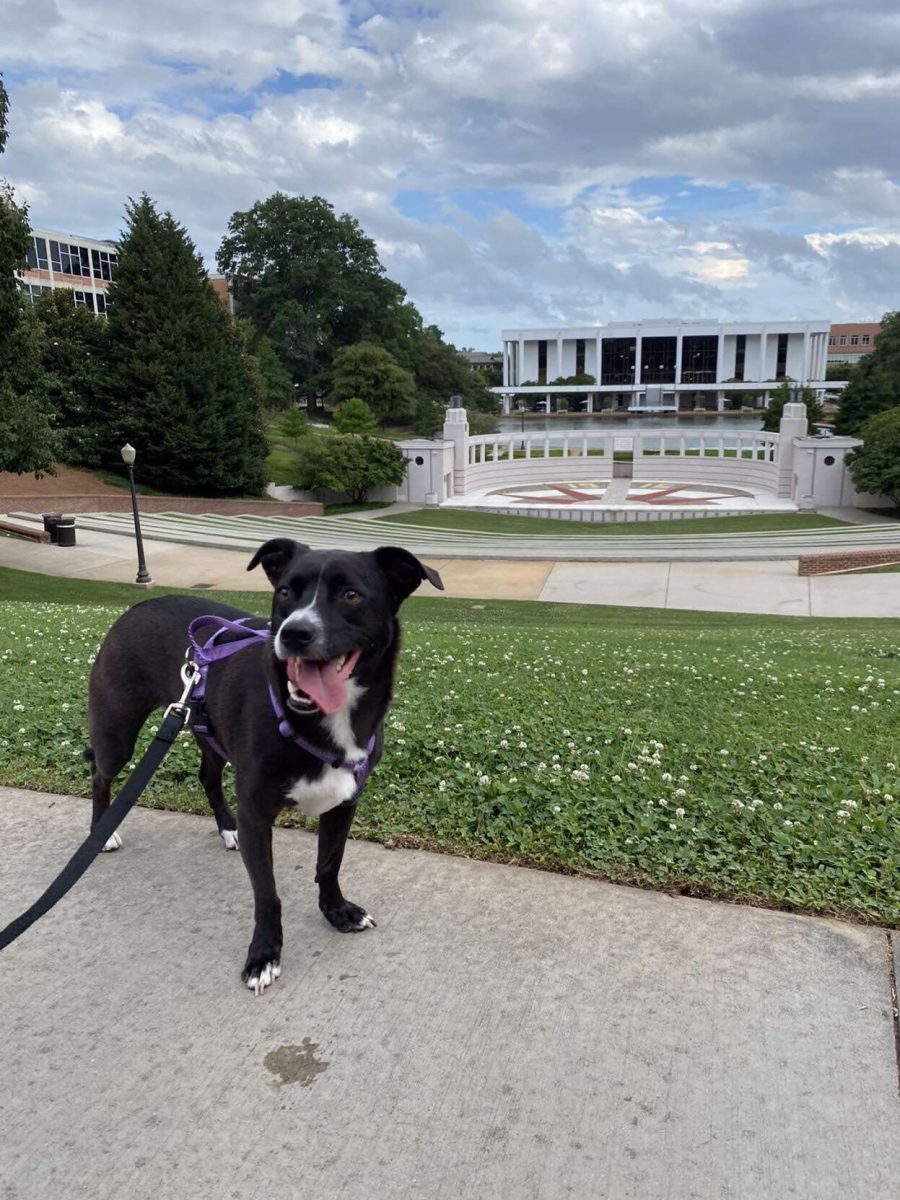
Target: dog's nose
298 634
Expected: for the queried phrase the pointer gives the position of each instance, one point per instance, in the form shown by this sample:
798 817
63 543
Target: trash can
50 522
65 531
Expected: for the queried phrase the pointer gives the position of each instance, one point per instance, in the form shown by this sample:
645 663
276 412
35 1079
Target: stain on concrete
296 1064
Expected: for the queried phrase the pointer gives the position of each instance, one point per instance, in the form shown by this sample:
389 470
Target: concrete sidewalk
749 587
502 1034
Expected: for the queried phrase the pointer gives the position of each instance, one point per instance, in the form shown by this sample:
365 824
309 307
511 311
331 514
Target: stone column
559 356
456 430
793 425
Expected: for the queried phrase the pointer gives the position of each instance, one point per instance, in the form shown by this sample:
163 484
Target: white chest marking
316 796
335 784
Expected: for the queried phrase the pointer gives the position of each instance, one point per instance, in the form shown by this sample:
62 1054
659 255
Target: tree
178 382
308 279
74 342
790 393
273 383
4 109
875 383
347 463
27 441
355 416
875 465
368 372
839 370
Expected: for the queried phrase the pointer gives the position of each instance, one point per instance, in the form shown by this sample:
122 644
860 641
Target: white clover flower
680 792
735 803
663 803
842 814
679 812
887 796
666 777
442 785
484 780
616 778
556 808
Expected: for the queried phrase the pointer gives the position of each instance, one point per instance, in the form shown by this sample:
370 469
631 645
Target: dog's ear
274 556
404 572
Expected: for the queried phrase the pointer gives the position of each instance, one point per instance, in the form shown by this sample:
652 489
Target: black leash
176 718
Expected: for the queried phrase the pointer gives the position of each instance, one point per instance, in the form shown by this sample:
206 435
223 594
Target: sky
518 163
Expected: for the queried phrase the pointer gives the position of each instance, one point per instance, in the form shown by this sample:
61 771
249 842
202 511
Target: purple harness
213 651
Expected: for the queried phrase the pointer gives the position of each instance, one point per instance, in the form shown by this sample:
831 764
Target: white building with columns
661 365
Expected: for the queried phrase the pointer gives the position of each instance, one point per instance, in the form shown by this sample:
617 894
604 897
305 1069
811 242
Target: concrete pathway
752 587
503 1033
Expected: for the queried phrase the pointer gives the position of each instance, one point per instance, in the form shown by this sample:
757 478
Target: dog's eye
351 596
282 593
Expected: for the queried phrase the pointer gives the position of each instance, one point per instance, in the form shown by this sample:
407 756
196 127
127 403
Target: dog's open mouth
321 685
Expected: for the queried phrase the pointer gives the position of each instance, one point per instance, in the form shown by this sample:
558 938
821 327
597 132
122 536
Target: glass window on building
658 359
699 357
865 339
579 356
617 361
542 362
854 339
740 355
843 339
831 340
101 304
781 356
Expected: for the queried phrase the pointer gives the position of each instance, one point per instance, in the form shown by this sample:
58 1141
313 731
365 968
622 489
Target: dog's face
333 615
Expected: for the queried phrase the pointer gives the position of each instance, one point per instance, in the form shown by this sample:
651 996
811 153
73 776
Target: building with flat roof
663 365
65 260
85 266
851 342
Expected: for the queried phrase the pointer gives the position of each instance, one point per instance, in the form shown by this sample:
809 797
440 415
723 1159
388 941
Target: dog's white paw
365 923
113 842
258 983
230 838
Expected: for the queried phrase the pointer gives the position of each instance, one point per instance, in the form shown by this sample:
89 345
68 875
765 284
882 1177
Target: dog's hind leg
211 767
113 734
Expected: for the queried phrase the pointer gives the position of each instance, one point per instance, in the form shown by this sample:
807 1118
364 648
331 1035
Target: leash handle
175 720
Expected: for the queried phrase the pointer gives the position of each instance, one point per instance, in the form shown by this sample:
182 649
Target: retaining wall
105 502
848 560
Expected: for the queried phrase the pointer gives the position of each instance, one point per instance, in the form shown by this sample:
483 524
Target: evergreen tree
74 342
875 381
27 442
178 382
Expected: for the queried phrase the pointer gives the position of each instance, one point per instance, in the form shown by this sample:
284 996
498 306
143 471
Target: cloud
601 160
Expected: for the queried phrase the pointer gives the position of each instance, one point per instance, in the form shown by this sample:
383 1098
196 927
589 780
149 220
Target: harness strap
174 722
213 651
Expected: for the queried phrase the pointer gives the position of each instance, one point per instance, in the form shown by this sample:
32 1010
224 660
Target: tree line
193 387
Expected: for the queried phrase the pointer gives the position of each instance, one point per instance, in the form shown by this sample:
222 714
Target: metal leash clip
190 677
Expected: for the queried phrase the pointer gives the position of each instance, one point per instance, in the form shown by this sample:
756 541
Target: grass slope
751 758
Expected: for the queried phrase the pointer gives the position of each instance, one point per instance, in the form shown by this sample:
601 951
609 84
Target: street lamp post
128 457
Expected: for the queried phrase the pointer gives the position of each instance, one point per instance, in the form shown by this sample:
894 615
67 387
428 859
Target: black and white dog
324 675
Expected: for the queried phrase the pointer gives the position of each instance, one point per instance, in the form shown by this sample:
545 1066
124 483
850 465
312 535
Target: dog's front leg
263 965
334 826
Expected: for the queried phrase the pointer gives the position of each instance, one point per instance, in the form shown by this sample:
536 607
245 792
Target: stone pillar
506 382
456 430
520 363
793 425
679 346
559 356
637 359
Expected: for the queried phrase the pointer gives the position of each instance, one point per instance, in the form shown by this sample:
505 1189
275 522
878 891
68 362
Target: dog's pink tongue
321 683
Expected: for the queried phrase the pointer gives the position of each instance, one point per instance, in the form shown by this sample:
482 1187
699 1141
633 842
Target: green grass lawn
751 758
479 522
